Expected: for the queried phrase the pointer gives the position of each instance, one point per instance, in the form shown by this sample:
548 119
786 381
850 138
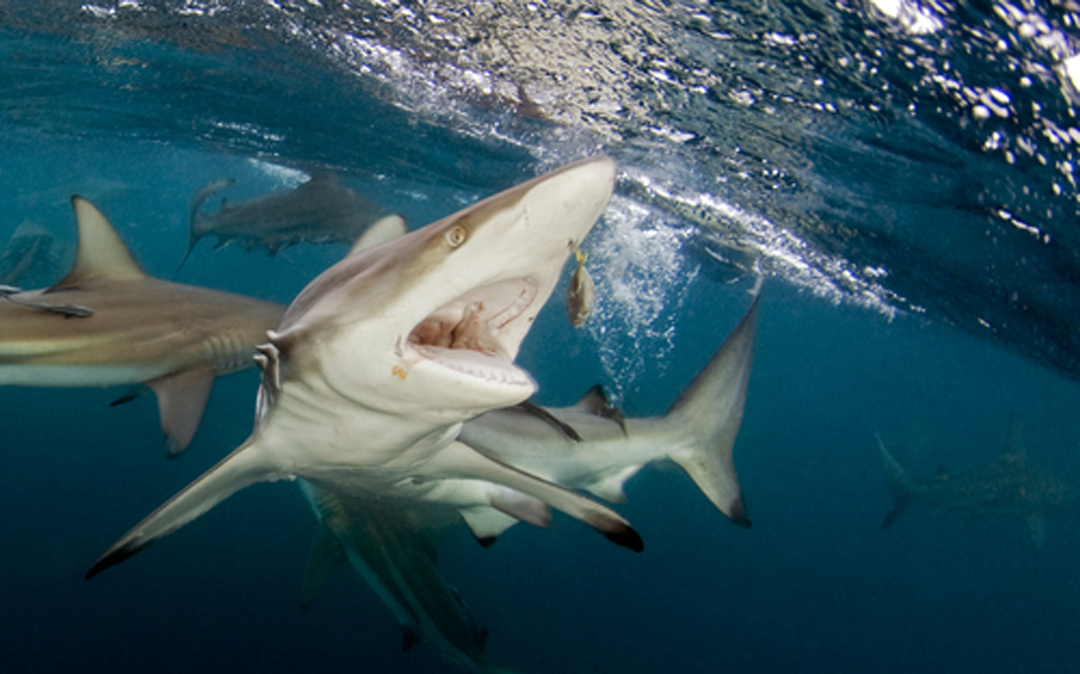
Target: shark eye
457 235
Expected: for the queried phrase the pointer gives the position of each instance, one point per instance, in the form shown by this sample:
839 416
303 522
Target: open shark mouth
470 335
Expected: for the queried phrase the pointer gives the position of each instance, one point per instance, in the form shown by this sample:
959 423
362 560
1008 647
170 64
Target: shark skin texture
1010 486
380 359
108 323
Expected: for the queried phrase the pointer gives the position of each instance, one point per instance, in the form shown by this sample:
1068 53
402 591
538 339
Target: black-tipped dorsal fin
102 254
594 401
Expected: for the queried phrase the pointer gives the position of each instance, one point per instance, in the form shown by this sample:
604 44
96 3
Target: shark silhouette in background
588 446
1009 486
32 256
107 323
380 359
321 210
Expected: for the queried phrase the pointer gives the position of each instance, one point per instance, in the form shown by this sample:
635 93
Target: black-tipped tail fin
236 471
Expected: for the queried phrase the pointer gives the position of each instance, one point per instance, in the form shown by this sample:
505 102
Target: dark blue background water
813 586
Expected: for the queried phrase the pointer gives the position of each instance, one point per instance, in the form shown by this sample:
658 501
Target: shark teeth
475 322
476 364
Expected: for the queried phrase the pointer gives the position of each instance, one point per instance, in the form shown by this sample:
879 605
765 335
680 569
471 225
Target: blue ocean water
901 174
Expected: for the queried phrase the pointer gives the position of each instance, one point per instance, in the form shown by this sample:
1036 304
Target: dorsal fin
382 230
102 254
594 401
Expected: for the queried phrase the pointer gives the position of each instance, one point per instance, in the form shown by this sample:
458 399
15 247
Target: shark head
429 323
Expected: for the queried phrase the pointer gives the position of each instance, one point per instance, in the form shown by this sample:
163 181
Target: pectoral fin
243 467
459 460
181 400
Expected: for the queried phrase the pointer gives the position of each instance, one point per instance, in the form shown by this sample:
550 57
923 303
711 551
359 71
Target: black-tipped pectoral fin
459 460
242 467
181 400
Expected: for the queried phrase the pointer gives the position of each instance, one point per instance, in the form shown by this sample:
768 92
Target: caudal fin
710 410
900 483
239 469
197 201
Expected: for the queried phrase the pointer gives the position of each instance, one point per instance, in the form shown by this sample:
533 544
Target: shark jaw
428 324
466 336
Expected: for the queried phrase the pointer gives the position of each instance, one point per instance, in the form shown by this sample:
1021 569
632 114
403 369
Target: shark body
589 447
586 446
130 329
1009 486
321 210
379 361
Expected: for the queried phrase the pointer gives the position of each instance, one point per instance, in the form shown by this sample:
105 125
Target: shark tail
197 201
709 412
236 471
900 483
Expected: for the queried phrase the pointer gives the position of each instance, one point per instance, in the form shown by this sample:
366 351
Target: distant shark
588 446
107 323
1009 486
32 255
591 447
379 361
321 210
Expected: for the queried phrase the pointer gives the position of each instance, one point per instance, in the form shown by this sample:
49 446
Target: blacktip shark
107 323
589 446
321 210
1009 486
380 359
393 548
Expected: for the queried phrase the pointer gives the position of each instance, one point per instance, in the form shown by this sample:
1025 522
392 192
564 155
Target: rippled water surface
901 173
